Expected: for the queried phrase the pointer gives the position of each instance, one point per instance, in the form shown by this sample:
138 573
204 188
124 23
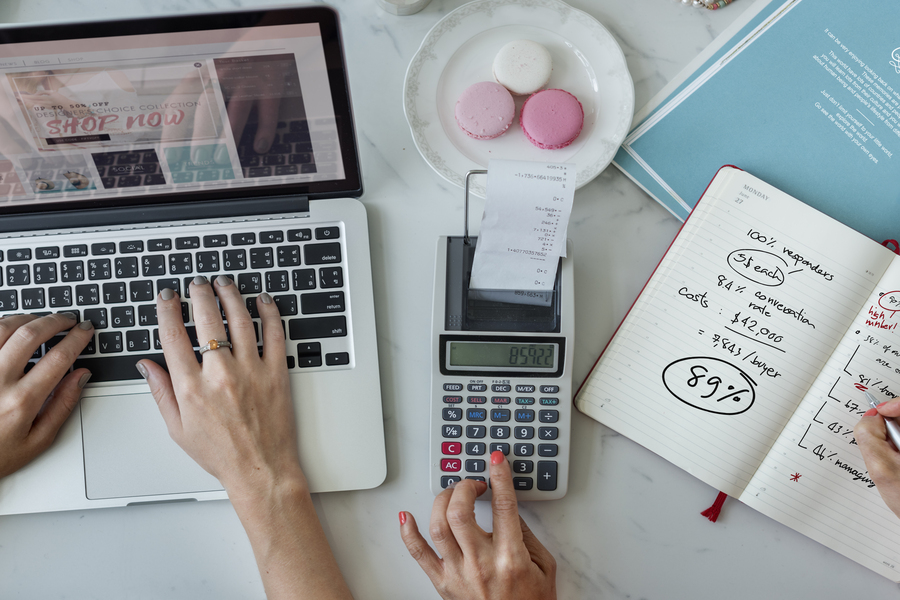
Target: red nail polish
871 412
402 518
497 457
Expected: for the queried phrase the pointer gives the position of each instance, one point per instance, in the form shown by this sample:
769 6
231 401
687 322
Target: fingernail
142 370
200 280
223 281
84 379
261 145
69 315
86 325
497 457
167 294
402 518
871 412
266 299
451 485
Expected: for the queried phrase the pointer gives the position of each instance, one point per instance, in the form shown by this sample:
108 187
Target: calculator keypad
518 419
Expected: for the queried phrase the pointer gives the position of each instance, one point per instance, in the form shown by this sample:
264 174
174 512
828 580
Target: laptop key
180 263
71 270
9 300
47 252
44 273
87 294
32 298
122 316
243 239
137 340
154 265
319 327
126 267
234 260
18 275
187 243
317 254
131 247
110 342
141 291
103 248
214 241
19 254
75 250
60 296
159 245
299 235
99 268
97 316
116 368
250 283
114 293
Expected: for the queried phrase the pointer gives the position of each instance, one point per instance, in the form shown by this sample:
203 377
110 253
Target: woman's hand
882 459
232 413
507 564
34 406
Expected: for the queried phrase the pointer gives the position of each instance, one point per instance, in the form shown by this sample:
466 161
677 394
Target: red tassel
888 243
712 513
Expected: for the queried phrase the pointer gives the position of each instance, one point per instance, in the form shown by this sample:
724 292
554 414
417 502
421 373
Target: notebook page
732 329
814 479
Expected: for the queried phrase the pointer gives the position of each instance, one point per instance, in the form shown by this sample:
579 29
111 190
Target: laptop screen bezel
269 195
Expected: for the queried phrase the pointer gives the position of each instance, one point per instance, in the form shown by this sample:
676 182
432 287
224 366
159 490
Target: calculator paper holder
494 310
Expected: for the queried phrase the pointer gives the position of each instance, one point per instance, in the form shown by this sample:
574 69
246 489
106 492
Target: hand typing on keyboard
34 405
507 564
232 413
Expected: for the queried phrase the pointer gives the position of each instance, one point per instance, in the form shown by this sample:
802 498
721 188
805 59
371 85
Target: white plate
459 51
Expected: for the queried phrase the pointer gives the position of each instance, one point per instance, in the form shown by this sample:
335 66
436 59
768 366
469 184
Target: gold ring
215 345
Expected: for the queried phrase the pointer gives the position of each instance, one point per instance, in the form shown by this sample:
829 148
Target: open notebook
744 358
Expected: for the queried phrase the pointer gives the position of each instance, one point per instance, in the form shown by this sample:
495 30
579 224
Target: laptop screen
198 107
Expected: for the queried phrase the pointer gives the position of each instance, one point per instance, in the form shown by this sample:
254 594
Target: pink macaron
552 119
485 110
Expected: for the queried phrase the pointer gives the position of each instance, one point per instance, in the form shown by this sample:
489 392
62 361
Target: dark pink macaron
552 119
485 110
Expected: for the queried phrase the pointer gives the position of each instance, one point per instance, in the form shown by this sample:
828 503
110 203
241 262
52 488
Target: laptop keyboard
114 285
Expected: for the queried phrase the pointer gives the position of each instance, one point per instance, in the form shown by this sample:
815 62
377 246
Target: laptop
137 154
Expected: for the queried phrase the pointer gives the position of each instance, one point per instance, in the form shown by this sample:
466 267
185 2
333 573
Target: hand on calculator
34 405
507 564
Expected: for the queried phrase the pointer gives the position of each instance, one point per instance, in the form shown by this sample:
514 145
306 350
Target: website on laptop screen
117 117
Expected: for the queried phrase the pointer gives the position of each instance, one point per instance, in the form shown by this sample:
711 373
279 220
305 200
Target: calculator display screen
502 355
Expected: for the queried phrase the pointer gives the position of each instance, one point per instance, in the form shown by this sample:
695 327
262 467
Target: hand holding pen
878 437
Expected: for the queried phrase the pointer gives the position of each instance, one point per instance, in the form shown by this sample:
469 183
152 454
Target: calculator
501 378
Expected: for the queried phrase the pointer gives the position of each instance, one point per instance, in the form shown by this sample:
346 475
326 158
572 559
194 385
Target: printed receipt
523 231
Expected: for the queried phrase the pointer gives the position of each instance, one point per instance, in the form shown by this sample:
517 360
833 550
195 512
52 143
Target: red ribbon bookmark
712 513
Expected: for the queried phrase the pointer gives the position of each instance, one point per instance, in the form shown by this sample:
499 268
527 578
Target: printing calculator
501 379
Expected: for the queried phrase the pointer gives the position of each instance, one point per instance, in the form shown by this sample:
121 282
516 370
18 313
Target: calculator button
501 447
524 415
477 387
448 479
475 431
548 449
451 464
500 400
476 414
548 416
546 475
500 414
549 401
523 483
525 433
452 414
475 465
475 478
524 400
549 389
475 448
452 399
476 399
453 387
524 389
499 432
548 433
451 431
522 466
451 447
523 449
501 388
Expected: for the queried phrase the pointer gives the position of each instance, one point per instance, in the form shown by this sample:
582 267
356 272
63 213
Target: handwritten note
744 360
523 231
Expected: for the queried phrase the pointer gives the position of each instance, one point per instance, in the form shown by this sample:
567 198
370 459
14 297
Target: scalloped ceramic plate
459 50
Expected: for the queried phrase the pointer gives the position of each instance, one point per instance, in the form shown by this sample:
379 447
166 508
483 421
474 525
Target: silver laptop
135 155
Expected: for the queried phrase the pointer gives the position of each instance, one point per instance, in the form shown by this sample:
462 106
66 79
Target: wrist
268 493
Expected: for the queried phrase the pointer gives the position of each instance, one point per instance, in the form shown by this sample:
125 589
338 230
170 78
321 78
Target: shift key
304 329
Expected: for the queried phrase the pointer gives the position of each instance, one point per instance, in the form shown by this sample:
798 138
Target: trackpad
128 451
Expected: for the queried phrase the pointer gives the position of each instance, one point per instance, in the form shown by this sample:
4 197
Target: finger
461 518
539 554
504 505
207 316
238 111
240 325
59 407
440 531
40 381
272 330
10 323
891 408
177 347
29 336
161 387
267 111
419 549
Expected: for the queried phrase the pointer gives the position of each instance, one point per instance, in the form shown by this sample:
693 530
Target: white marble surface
630 525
